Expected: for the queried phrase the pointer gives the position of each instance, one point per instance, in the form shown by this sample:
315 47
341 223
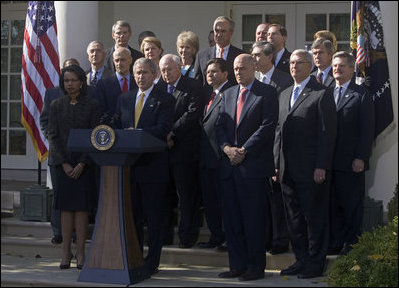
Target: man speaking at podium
151 110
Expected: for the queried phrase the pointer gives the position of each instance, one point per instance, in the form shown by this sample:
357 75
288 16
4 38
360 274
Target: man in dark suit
305 138
121 33
49 96
109 89
264 54
183 143
323 51
210 154
245 130
223 28
151 110
96 56
277 35
355 135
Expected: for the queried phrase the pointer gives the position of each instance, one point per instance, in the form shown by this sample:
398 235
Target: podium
115 255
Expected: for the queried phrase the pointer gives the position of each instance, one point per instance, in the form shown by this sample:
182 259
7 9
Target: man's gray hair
121 23
172 57
323 42
302 52
349 57
224 18
142 61
267 48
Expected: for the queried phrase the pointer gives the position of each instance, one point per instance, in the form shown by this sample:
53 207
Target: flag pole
39 173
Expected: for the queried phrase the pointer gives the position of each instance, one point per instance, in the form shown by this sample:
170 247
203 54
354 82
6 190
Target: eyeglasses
71 80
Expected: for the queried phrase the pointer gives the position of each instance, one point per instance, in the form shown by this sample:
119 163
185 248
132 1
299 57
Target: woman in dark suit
75 185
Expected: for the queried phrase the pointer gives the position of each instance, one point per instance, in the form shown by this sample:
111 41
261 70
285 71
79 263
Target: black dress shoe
250 276
57 239
278 250
222 248
185 245
334 250
294 269
208 245
231 274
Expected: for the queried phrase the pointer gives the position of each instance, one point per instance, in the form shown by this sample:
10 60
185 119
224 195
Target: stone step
171 255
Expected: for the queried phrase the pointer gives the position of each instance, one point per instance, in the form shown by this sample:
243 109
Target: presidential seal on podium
103 137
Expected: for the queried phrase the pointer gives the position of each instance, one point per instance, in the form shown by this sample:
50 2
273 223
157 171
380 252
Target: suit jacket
255 130
187 114
284 63
210 153
107 93
355 132
107 73
206 54
156 119
280 80
329 82
305 134
109 60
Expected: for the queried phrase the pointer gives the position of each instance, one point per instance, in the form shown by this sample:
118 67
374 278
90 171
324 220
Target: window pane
17 32
16 59
275 19
15 87
3 115
3 87
314 23
344 47
17 142
339 24
4 60
4 32
249 24
15 115
3 142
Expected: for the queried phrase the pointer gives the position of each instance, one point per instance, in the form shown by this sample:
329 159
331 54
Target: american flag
367 43
40 68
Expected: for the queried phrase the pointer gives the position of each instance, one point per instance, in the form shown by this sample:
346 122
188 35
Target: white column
77 24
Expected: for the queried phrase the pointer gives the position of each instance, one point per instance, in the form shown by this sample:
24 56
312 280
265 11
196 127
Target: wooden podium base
114 255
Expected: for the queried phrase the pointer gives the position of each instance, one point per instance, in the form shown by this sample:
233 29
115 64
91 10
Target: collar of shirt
120 79
175 84
278 56
146 92
99 73
220 88
225 51
268 75
302 85
344 87
325 72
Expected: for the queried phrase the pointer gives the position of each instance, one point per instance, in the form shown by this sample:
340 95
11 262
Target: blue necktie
295 95
338 96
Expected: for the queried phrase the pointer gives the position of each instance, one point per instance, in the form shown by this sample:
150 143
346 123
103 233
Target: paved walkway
24 271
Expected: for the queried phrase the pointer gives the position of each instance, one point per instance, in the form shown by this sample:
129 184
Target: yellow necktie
138 109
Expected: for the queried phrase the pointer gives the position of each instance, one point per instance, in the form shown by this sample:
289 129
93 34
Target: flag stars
386 84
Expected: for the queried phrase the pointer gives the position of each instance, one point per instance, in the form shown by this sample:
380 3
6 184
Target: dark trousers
279 229
306 206
186 179
147 203
212 205
244 208
346 207
55 213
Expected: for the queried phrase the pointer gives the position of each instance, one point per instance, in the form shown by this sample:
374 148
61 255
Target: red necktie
240 103
221 52
124 85
211 101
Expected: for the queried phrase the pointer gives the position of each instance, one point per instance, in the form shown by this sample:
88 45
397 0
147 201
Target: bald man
245 131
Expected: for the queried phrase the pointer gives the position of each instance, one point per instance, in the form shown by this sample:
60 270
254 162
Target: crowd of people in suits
274 145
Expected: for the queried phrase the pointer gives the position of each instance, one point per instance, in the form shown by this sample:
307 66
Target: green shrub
373 261
393 205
